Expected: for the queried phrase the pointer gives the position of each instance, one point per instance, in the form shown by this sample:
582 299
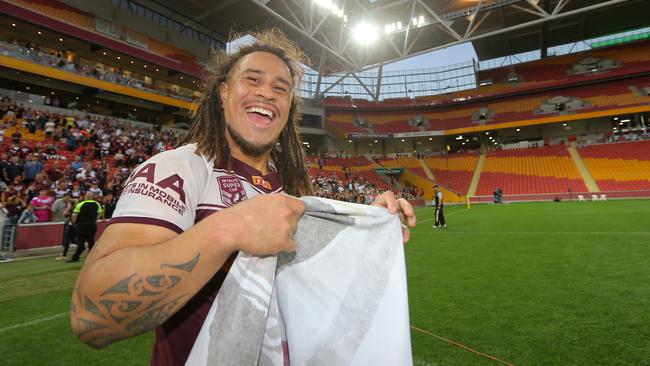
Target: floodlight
365 33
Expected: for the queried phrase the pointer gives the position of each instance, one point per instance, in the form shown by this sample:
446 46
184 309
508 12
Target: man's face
256 100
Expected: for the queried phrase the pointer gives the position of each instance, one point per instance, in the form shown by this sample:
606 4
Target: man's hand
395 206
264 224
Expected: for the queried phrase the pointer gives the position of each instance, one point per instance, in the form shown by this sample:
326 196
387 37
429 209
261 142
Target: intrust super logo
168 190
231 189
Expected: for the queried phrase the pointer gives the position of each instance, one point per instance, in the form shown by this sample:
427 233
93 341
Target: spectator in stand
76 193
32 167
27 216
60 188
24 150
76 164
14 150
16 136
71 140
95 190
31 126
86 174
4 162
42 206
13 169
12 201
55 173
42 182
119 158
41 120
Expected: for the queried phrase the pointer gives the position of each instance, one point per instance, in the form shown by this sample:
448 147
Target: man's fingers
387 199
407 211
406 233
296 205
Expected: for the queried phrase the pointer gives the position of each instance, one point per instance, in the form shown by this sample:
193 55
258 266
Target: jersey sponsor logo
259 181
231 189
158 190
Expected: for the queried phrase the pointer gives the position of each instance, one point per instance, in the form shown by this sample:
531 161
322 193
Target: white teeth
263 111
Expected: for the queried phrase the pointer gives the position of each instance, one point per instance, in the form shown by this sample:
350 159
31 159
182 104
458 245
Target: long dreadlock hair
208 130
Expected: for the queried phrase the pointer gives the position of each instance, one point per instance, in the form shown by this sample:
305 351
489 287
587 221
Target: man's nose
265 91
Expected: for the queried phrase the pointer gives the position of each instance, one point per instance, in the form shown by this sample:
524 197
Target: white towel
340 299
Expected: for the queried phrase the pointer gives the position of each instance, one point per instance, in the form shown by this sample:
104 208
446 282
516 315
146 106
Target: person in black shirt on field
84 217
437 201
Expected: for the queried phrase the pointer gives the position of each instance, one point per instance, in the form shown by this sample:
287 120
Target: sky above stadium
447 56
444 57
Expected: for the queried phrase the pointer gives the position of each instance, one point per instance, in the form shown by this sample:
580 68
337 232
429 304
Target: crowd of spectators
42 181
354 189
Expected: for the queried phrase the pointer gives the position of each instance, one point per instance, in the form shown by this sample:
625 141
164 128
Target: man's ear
223 92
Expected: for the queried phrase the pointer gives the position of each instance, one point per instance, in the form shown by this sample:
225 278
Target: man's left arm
398 206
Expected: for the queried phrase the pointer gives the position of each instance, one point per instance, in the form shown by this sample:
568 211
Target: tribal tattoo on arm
133 305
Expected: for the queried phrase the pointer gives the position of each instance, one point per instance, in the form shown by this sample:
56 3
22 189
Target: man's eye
280 89
252 79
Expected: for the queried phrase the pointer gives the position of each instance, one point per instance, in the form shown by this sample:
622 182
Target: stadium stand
620 166
454 171
604 96
548 169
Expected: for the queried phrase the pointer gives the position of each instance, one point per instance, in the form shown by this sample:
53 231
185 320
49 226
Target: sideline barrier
564 196
44 235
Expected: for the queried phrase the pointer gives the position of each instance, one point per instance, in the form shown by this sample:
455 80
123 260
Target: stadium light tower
365 33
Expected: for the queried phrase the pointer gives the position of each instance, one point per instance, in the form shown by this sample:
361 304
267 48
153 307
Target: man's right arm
138 275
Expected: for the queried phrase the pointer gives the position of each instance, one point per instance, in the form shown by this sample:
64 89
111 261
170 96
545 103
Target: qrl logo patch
232 191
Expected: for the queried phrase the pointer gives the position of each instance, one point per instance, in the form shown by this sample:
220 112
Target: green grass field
529 284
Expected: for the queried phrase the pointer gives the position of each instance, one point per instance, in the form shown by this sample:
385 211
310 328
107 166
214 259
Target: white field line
539 232
32 322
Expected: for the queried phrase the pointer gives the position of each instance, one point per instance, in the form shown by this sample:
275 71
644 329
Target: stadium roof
497 28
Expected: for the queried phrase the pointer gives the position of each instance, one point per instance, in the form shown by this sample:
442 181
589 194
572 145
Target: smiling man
185 213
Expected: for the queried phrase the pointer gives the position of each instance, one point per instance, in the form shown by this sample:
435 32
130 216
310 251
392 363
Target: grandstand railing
20 52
